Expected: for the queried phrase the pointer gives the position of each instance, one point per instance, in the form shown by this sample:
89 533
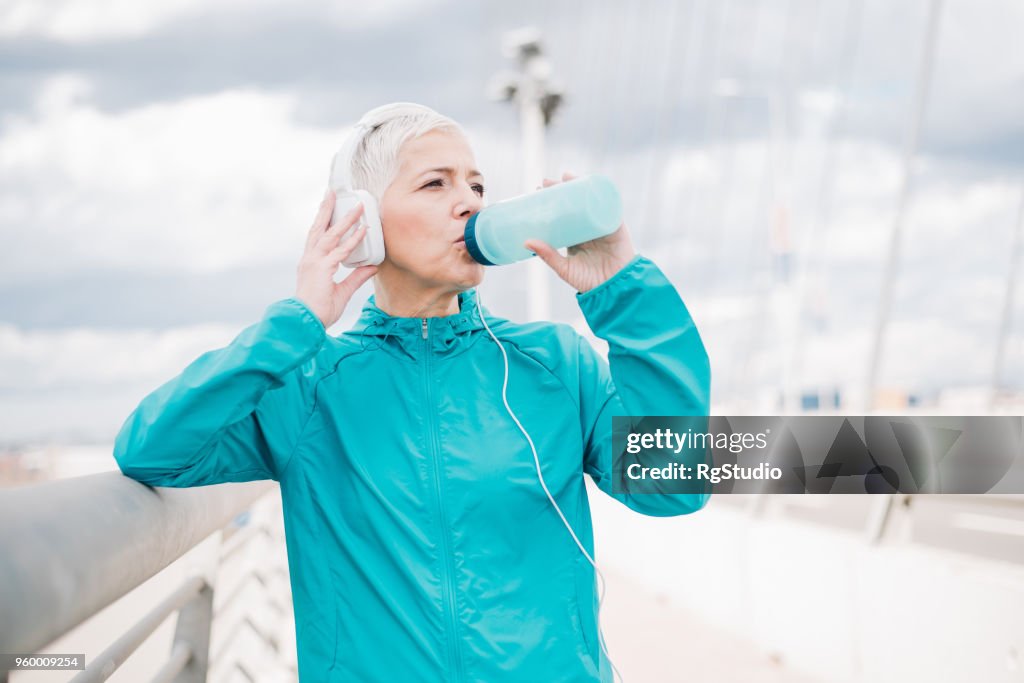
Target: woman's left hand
588 264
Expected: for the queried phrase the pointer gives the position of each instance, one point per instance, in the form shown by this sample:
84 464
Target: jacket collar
445 334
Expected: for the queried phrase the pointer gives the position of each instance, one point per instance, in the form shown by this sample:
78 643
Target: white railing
72 547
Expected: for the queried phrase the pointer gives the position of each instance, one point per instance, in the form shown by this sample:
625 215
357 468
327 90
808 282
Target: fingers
354 280
329 239
548 182
549 255
347 246
323 216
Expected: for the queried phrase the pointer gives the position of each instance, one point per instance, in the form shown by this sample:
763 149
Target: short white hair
375 161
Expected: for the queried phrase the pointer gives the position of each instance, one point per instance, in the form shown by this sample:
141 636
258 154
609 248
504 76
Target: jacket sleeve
657 365
234 414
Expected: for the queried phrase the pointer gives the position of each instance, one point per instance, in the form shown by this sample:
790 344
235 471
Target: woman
421 544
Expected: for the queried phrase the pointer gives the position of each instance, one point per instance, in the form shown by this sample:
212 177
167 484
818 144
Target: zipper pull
424 328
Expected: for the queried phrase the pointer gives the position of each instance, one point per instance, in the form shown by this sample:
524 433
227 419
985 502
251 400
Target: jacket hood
445 334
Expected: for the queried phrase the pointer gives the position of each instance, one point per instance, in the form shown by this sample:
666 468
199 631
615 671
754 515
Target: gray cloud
430 55
638 75
133 300
641 79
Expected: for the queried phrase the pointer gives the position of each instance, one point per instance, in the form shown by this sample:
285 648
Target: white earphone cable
540 475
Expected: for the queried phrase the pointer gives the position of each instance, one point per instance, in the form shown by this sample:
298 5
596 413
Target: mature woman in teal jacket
421 543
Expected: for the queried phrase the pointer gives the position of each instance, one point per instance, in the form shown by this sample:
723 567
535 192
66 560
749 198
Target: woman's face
425 208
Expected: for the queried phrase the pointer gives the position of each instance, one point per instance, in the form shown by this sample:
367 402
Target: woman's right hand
324 253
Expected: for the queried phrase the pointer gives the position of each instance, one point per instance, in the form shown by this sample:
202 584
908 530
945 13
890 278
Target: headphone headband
341 167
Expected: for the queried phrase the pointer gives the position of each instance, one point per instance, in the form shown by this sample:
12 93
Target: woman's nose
469 203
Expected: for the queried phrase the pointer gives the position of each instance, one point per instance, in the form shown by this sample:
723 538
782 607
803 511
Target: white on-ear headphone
370 251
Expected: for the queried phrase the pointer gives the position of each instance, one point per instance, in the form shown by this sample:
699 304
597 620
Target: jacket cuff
297 323
631 276
637 303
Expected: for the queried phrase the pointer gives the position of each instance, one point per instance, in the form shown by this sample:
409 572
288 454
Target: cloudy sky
160 163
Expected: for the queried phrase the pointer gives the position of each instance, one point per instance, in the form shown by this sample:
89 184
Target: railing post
193 631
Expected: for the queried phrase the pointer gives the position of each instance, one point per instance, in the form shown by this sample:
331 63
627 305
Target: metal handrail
180 655
74 546
104 664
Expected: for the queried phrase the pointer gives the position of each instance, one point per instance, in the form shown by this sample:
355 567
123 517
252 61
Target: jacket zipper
447 583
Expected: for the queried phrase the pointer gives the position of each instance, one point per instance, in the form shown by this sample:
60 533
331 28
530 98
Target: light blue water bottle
562 215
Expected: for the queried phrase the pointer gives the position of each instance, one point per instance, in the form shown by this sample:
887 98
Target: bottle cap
471 245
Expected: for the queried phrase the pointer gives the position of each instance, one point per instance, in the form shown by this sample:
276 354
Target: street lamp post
537 99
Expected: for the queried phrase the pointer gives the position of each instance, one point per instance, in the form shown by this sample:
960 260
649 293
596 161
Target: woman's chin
468 275
475 276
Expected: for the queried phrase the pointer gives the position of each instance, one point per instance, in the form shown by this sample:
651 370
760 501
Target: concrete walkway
654 641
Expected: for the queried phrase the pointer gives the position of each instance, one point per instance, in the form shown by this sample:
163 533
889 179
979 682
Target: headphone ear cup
370 250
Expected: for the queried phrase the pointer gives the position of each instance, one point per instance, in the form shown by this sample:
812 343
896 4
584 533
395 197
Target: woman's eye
439 182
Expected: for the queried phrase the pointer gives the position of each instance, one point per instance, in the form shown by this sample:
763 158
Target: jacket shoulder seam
551 372
312 408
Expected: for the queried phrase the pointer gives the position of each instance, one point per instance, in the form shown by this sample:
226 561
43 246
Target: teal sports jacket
421 545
